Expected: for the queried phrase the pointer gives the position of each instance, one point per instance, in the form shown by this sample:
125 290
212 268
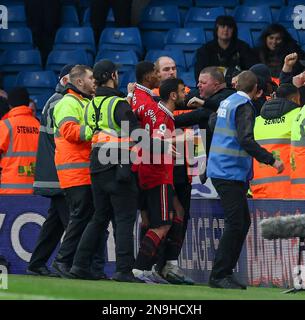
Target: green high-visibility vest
274 131
99 113
298 129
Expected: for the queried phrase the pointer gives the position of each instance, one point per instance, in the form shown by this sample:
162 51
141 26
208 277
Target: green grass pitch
39 288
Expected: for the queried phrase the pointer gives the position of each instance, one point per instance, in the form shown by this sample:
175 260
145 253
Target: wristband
130 95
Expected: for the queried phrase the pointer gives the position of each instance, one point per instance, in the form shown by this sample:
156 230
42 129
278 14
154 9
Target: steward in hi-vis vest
273 132
297 157
18 145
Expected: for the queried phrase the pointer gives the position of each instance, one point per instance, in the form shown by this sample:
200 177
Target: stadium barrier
262 262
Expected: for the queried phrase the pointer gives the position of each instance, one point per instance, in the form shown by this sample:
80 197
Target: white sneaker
144 275
157 276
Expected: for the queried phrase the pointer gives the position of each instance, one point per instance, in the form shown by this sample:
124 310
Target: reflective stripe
66 119
225 131
10 129
298 181
300 143
110 122
46 130
46 184
19 154
10 153
73 165
269 180
57 134
16 186
75 98
229 152
83 133
274 141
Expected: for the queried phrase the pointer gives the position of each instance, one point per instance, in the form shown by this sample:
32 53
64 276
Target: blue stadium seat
177 55
301 34
69 16
75 38
160 18
293 2
286 16
125 78
16 38
9 81
254 17
58 58
188 79
110 23
274 5
16 16
37 82
12 2
126 59
183 5
153 40
186 39
203 17
121 39
40 100
20 60
229 5
244 34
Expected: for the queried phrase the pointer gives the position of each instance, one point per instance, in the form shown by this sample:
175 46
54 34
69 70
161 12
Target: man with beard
157 182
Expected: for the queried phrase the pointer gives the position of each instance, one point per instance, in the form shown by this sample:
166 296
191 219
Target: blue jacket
227 159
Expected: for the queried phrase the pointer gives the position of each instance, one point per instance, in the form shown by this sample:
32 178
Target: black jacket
276 108
46 180
238 56
286 77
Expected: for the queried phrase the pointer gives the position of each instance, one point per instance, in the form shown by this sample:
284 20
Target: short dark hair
286 90
77 71
246 81
167 86
18 96
142 69
215 73
226 21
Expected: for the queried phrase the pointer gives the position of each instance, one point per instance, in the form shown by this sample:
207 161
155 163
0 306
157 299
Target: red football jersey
159 122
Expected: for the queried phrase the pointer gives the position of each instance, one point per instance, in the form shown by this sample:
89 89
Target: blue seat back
121 39
160 18
203 17
20 60
16 38
126 59
187 39
58 58
69 16
16 16
253 15
37 82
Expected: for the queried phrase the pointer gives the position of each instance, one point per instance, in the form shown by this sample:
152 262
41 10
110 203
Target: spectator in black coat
275 43
226 50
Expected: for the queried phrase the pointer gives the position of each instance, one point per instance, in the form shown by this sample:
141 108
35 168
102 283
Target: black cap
103 69
18 96
65 70
263 75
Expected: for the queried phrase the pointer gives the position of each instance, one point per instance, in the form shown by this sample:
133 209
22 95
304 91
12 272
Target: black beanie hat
18 96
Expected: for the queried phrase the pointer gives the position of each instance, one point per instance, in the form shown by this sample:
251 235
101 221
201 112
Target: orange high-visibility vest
18 146
274 135
72 153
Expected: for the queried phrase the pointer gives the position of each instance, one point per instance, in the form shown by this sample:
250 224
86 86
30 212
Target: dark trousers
99 11
184 191
51 231
110 198
80 202
237 222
